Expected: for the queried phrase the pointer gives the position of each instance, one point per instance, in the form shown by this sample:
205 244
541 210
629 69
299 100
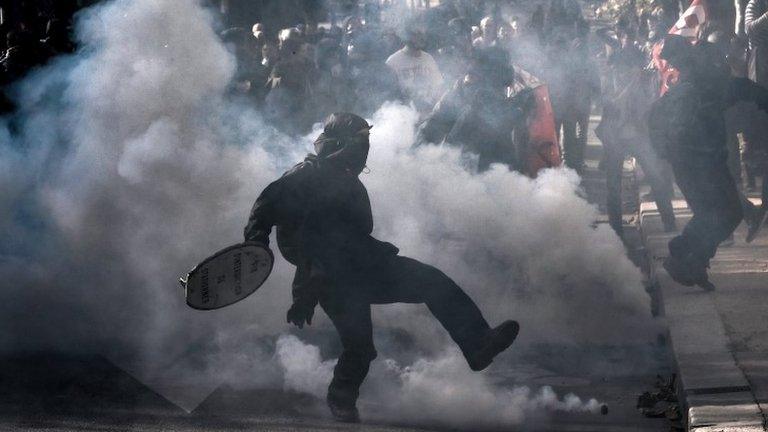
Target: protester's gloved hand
300 313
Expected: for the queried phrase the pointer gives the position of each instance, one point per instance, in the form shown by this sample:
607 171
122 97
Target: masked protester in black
476 114
687 127
324 224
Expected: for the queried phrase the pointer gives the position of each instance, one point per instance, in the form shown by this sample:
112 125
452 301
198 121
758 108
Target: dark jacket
324 224
689 120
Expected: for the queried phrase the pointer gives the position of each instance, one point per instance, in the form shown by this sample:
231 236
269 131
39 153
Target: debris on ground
662 403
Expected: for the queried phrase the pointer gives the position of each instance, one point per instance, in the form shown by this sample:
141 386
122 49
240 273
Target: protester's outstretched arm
284 200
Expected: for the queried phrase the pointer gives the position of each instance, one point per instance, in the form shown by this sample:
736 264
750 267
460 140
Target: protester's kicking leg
410 281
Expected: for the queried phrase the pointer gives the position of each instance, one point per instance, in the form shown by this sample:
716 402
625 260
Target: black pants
711 193
348 298
660 181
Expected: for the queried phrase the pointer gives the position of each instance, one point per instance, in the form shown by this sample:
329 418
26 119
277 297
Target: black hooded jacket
322 214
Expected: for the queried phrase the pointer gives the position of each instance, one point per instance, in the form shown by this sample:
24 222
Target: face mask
356 154
347 155
344 143
351 157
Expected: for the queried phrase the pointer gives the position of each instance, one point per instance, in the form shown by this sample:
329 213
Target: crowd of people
469 72
469 67
464 67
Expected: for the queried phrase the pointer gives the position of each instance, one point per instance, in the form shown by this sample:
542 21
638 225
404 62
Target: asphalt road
53 392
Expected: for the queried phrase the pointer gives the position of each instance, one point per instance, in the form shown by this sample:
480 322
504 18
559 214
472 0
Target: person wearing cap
324 223
687 127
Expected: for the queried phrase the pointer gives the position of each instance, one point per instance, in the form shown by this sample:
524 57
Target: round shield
228 276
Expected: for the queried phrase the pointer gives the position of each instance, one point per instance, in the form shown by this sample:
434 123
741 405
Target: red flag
691 19
543 148
686 26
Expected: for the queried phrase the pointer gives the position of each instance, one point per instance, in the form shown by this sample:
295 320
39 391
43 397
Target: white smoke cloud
304 369
440 391
521 247
127 165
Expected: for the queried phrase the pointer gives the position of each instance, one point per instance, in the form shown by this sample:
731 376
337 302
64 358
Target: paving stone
741 415
755 367
715 399
737 427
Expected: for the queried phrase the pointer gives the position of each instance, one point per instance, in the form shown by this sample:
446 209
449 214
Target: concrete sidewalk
719 339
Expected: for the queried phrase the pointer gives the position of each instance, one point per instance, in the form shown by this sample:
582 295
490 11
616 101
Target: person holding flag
687 26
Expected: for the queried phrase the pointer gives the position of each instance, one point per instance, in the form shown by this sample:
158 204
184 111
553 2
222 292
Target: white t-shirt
418 75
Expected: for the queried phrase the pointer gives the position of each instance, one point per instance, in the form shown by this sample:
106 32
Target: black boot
687 273
343 406
678 270
494 342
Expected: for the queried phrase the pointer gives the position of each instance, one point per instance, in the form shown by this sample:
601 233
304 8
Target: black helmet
677 50
344 142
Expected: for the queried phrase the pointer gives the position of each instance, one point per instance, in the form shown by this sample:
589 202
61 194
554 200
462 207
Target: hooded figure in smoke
324 224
